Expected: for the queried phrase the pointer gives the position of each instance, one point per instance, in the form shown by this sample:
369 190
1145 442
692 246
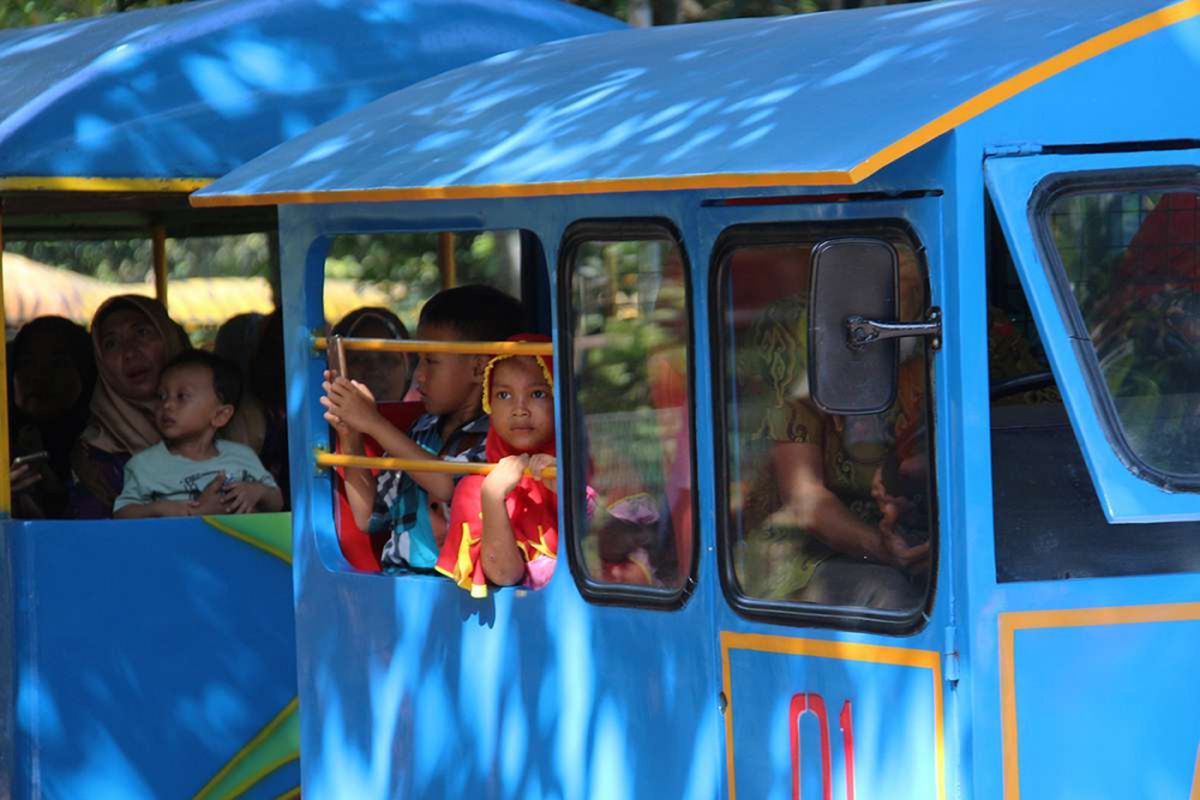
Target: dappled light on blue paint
954 19
217 83
218 86
864 68
617 105
93 132
106 771
704 775
213 715
610 761
514 742
199 641
267 66
36 708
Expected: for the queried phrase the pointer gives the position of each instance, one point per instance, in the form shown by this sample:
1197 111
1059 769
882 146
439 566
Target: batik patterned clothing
403 509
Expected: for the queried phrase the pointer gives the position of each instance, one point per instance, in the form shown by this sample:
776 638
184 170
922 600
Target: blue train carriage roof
193 90
821 99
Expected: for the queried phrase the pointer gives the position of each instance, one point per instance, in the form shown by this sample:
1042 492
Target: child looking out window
191 472
504 527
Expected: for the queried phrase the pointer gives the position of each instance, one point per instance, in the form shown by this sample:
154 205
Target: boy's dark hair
227 378
478 313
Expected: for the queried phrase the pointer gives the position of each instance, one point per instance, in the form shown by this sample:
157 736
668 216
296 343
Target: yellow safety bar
327 459
429 346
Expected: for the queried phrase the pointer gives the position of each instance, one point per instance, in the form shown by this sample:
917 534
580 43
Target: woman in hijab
387 375
50 385
133 339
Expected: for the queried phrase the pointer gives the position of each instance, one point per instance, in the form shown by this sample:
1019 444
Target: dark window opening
1047 517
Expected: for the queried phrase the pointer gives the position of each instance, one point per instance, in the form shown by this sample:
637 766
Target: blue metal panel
1127 726
882 714
1109 99
808 94
147 654
887 740
196 89
406 684
411 688
1011 183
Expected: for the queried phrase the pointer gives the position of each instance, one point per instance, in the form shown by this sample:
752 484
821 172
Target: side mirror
852 278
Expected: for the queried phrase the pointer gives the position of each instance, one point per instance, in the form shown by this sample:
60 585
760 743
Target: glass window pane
1048 522
1132 260
822 509
630 365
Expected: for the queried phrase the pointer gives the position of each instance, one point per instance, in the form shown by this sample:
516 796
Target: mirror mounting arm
861 332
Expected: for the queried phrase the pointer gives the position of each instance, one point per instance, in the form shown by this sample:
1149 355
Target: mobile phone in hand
335 352
29 458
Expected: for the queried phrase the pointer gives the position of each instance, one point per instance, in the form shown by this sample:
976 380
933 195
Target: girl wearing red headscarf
504 527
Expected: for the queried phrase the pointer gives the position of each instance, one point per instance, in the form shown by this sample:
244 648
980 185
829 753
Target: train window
1048 523
1127 252
219 293
827 519
374 288
628 412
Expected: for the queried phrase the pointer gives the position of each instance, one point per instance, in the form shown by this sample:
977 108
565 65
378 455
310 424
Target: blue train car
157 658
875 337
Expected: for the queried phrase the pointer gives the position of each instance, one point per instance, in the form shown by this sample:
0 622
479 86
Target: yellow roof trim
31 183
1006 90
980 103
728 180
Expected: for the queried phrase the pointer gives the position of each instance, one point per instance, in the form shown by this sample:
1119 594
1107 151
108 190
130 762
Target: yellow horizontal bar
430 346
327 459
52 183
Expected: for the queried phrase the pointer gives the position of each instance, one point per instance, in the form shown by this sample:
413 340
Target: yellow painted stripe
290 794
1196 778
241 755
727 683
50 183
818 648
430 346
326 459
1013 621
984 101
250 540
1006 90
723 180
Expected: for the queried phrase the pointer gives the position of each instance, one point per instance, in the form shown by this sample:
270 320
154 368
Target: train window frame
1049 191
160 276
784 612
573 482
533 285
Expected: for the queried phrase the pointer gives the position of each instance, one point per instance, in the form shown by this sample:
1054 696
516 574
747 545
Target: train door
1095 474
834 621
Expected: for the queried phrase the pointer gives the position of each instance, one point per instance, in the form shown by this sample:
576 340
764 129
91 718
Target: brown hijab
119 424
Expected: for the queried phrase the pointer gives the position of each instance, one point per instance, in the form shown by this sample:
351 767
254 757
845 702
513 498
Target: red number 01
812 703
